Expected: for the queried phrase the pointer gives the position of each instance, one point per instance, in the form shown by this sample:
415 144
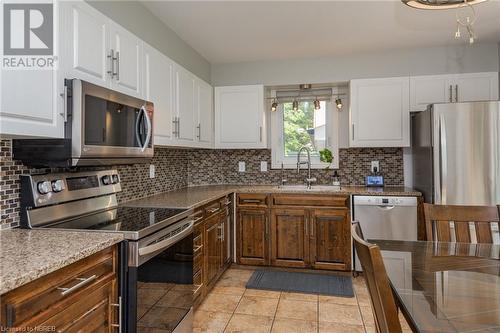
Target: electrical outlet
151 171
263 166
375 167
241 166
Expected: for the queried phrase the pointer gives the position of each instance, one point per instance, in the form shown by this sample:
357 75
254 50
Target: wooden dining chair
463 224
384 306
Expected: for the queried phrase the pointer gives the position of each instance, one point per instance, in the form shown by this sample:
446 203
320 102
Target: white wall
461 58
139 20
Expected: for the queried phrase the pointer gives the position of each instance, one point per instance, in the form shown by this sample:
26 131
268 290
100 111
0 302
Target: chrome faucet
309 180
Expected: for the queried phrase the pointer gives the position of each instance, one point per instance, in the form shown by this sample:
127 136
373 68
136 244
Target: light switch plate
376 165
241 166
151 171
263 166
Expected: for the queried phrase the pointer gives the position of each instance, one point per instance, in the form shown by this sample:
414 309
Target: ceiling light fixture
467 21
295 105
274 105
317 104
338 101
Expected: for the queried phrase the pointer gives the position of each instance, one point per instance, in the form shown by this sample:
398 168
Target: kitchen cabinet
330 239
252 231
185 115
100 51
159 89
379 112
452 88
226 218
204 106
127 50
213 248
64 300
240 117
289 238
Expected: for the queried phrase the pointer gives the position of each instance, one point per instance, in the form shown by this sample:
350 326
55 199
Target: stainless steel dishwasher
393 218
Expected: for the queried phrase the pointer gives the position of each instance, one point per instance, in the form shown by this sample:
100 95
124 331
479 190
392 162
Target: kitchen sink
312 189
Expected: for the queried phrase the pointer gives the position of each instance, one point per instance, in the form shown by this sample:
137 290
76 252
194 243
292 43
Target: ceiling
241 31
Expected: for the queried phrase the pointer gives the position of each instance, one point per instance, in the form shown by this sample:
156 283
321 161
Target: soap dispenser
336 179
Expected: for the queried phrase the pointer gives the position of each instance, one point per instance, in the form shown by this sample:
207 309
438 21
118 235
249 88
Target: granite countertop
26 255
195 196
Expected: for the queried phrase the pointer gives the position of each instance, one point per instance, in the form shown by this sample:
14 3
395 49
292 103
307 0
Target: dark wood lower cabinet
252 232
213 248
289 238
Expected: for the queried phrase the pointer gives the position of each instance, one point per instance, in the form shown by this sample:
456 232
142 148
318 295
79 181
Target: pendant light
274 105
295 105
338 102
317 104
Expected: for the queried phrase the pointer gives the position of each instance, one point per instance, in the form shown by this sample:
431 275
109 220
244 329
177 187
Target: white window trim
277 147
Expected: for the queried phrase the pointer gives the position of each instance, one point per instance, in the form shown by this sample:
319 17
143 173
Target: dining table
445 287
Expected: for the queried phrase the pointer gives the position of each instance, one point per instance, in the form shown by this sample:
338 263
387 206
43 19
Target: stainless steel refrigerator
456 153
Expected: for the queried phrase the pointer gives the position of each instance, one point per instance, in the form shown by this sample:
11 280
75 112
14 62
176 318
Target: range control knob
106 180
43 187
115 179
57 185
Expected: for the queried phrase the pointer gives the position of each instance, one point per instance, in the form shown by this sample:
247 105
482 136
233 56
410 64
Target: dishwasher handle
386 207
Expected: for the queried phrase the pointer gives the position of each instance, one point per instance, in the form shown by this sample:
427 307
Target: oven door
160 295
108 124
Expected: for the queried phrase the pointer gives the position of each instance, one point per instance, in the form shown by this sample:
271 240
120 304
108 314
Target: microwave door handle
149 129
137 129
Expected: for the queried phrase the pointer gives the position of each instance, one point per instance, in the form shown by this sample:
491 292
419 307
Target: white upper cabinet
379 112
204 104
127 62
452 88
159 89
240 117
86 43
185 118
475 87
428 89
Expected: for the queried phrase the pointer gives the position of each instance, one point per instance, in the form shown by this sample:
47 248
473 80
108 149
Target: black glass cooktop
125 219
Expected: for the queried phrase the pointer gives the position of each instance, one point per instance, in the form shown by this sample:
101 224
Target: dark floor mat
324 284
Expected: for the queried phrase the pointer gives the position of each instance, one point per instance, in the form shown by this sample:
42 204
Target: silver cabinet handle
451 94
213 210
83 282
198 287
174 130
199 132
260 133
178 127
64 95
456 92
196 248
117 65
352 132
111 57
120 317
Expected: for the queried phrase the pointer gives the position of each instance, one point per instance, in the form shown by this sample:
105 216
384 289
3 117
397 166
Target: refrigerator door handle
443 160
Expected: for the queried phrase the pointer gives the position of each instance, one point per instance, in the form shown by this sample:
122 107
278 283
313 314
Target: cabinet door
330 239
429 89
86 43
204 102
252 237
128 64
185 106
475 87
158 88
379 113
226 237
213 248
289 238
239 117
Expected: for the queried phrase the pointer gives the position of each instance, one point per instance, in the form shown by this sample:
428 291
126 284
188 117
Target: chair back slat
383 304
463 224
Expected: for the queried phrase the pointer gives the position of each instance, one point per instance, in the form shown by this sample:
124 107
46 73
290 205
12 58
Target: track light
274 106
295 105
317 104
338 101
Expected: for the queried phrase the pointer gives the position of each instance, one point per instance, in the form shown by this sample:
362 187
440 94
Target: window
306 127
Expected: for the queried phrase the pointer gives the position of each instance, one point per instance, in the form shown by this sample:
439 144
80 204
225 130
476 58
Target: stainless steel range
156 280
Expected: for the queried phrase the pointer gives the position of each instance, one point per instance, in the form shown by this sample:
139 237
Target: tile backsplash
177 168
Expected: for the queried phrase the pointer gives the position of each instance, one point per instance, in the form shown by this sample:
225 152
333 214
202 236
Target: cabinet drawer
252 200
310 200
212 208
50 294
197 216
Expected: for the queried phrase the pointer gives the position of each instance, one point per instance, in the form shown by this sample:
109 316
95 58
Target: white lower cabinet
379 112
240 117
159 89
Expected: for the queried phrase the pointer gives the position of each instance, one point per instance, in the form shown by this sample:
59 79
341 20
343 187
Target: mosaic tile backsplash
178 168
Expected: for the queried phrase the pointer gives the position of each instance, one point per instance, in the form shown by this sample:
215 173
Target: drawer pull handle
213 210
251 200
196 248
198 287
120 318
83 282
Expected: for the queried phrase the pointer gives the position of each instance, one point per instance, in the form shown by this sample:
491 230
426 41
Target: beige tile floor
230 307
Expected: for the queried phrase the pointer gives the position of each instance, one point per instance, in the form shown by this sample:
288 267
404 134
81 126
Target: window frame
277 141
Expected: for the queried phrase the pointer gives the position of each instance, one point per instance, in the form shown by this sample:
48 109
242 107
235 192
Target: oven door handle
166 242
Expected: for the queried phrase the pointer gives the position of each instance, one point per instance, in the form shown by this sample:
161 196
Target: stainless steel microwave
102 127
